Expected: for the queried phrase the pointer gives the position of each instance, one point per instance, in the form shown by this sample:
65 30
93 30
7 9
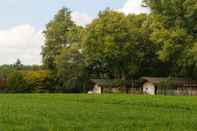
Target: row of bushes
28 81
39 81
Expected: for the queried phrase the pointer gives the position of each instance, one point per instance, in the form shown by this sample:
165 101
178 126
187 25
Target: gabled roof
156 80
116 83
107 82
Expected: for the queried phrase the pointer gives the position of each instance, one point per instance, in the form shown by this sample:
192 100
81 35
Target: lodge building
147 86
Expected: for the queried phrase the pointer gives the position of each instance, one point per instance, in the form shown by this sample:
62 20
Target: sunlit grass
59 112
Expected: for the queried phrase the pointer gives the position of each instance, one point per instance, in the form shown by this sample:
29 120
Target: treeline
19 78
118 46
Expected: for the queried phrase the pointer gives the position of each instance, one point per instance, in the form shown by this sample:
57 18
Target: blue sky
22 23
39 12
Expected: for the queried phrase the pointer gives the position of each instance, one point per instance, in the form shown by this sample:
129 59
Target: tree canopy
115 46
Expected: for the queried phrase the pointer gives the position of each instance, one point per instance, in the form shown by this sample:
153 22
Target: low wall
178 92
123 90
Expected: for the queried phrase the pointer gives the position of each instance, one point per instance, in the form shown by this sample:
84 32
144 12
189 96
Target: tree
38 81
18 65
61 34
16 82
5 71
71 67
188 63
181 13
56 36
173 32
113 44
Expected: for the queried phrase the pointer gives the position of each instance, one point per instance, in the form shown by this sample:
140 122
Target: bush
38 81
42 81
30 81
17 82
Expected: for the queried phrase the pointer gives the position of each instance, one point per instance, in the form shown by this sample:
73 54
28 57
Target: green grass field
97 113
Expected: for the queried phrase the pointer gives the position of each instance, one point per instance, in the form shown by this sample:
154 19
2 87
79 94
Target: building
96 90
116 86
150 84
169 86
102 84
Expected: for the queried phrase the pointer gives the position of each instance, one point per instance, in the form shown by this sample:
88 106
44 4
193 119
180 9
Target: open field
89 113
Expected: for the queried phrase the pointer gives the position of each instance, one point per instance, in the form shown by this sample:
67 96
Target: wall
179 91
96 90
149 88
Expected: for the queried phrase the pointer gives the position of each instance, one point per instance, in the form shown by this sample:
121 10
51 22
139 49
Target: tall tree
174 33
113 44
18 65
71 68
56 36
182 13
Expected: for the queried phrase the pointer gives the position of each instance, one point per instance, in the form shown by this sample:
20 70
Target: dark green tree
113 44
181 13
71 69
56 36
173 31
18 64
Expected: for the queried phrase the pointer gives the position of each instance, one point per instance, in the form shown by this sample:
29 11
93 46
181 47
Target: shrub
16 82
30 81
37 81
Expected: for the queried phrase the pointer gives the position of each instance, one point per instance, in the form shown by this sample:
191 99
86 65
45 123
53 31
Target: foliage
56 36
173 30
176 13
17 83
37 81
71 69
61 36
5 70
18 65
112 44
29 81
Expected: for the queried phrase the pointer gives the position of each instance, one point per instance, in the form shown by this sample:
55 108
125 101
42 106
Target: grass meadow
63 112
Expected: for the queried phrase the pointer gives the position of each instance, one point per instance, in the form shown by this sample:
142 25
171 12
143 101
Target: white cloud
134 7
81 18
23 42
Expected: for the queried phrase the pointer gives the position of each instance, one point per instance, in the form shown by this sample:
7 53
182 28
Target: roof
107 82
156 80
116 83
